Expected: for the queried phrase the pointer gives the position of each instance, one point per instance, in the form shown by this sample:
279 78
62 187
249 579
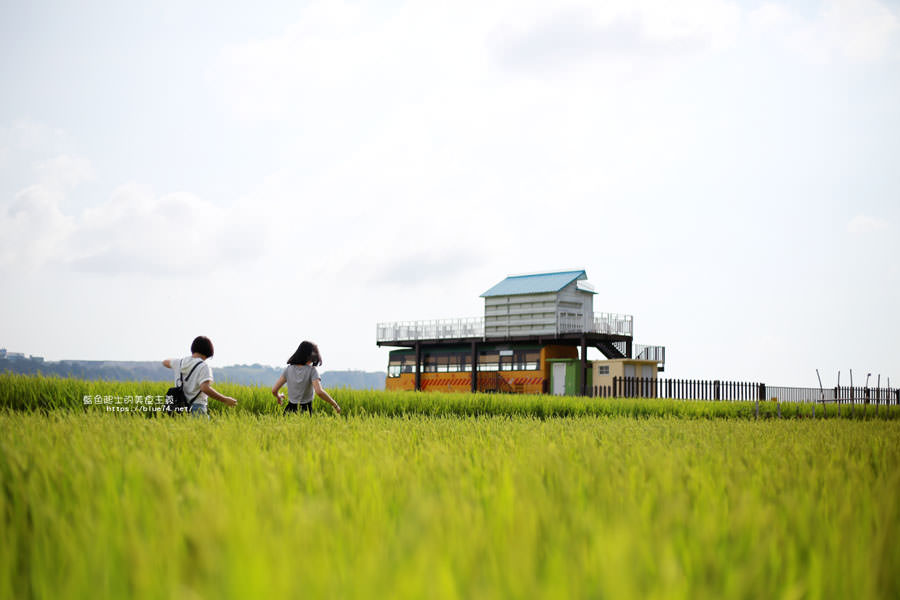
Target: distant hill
89 369
355 380
255 374
263 375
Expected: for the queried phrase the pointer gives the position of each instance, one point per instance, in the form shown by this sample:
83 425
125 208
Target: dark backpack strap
194 368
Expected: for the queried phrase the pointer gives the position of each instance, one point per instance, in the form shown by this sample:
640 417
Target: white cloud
134 231
770 16
569 39
30 135
358 61
176 234
32 228
863 224
854 30
327 52
864 30
65 171
628 28
22 141
713 21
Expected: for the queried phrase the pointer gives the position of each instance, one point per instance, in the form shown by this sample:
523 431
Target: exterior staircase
610 350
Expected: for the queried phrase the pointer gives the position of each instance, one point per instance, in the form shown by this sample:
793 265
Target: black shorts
292 408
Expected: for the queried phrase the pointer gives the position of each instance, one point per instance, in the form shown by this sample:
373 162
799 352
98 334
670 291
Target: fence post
716 385
866 403
757 407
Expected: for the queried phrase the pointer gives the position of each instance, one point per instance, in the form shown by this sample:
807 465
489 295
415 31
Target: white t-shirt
300 384
191 385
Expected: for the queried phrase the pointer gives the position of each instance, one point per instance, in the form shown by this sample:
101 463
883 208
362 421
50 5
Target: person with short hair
197 377
303 380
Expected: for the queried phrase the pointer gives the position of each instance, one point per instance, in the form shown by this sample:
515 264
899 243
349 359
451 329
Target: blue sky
725 172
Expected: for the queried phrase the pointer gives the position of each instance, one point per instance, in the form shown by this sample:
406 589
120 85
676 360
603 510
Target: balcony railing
654 353
608 323
613 324
441 329
437 329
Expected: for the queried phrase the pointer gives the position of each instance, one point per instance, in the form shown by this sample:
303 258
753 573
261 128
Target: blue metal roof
539 283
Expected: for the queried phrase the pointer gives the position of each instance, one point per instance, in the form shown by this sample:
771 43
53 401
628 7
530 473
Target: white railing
613 324
437 329
570 324
654 353
608 323
440 329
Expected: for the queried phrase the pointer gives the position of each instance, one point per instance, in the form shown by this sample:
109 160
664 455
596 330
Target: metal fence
683 389
838 395
696 389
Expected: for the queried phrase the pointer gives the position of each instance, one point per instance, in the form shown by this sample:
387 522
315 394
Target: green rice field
442 496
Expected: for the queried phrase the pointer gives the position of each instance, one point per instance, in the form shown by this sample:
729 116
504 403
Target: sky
726 172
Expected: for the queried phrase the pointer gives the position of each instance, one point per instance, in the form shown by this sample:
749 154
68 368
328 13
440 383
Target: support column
628 349
474 367
584 366
418 366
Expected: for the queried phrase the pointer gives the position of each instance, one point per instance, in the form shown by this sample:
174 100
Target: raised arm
321 393
167 363
278 385
211 392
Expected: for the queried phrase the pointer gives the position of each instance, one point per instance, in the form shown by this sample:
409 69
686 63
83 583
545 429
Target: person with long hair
303 380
